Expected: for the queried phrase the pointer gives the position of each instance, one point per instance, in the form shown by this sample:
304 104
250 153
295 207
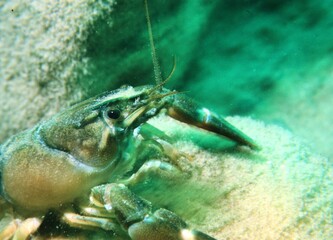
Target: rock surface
280 192
42 50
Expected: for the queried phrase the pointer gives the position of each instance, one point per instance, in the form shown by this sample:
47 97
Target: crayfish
81 162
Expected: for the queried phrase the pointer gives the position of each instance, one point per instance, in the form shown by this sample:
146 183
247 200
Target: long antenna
157 69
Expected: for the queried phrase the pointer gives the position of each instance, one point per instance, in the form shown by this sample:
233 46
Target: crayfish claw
188 111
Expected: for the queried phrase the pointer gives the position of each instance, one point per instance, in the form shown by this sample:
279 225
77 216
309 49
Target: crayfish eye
113 113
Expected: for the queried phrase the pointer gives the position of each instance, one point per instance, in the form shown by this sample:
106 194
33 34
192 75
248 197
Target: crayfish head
96 131
81 147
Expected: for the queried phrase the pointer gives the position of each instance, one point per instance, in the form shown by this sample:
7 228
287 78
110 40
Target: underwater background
269 60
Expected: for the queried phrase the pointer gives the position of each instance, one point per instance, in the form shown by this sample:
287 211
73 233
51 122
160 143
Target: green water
268 59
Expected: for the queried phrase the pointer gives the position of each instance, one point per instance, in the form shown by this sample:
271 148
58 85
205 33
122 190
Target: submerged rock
283 191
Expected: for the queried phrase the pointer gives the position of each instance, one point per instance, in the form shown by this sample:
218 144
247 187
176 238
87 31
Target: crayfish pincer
82 162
